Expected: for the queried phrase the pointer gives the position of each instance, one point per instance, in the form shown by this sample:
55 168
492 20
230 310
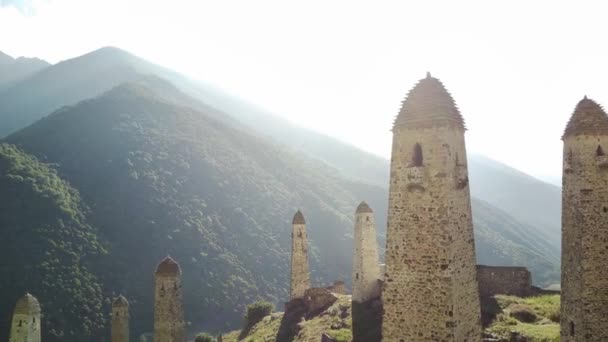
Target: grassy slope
545 329
311 330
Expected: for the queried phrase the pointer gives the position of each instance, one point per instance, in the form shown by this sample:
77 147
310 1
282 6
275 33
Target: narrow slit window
417 156
571 328
599 151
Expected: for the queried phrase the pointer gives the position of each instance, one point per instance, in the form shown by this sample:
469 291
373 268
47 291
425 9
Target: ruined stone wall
300 275
503 280
584 239
169 325
120 321
337 287
25 325
430 290
366 270
318 299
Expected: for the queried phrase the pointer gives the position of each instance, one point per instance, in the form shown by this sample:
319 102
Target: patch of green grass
342 335
546 307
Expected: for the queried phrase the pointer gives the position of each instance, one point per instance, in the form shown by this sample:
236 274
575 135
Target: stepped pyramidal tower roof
298 218
120 301
363 208
168 266
429 104
27 304
588 118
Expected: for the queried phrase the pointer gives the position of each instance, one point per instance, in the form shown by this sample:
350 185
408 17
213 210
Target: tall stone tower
430 290
584 301
25 326
169 325
300 275
366 269
120 320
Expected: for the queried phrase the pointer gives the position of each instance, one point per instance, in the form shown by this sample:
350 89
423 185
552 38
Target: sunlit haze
516 69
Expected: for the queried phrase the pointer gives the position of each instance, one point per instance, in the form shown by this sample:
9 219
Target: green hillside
536 203
161 178
528 200
48 249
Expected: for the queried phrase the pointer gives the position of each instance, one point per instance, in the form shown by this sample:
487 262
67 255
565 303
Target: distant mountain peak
109 52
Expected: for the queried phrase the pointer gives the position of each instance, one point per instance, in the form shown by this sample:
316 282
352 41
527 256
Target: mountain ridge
13 70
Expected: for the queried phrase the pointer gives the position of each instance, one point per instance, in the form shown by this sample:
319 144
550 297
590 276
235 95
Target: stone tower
430 290
366 270
120 320
584 301
25 326
169 325
300 275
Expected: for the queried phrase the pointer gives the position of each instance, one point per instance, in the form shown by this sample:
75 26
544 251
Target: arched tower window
417 155
599 151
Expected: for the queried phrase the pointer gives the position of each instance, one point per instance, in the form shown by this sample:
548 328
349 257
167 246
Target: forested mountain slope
48 249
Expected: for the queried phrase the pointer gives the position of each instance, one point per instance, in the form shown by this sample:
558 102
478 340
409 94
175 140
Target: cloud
26 7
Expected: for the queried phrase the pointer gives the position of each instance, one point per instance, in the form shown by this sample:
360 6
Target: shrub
256 312
204 337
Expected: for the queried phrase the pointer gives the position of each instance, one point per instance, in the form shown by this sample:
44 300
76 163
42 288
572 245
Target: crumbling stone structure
120 320
25 326
584 301
300 275
169 325
317 299
509 280
338 287
430 290
366 270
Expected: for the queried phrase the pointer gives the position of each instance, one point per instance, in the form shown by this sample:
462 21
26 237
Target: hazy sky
515 68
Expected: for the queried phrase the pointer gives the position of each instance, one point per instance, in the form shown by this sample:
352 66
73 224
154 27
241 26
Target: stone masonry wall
120 322
337 287
584 239
503 280
169 325
430 289
25 326
366 270
300 275
318 299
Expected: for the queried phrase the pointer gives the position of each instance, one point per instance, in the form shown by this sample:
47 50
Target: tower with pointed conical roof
430 291
300 275
120 320
584 285
366 269
169 325
25 326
